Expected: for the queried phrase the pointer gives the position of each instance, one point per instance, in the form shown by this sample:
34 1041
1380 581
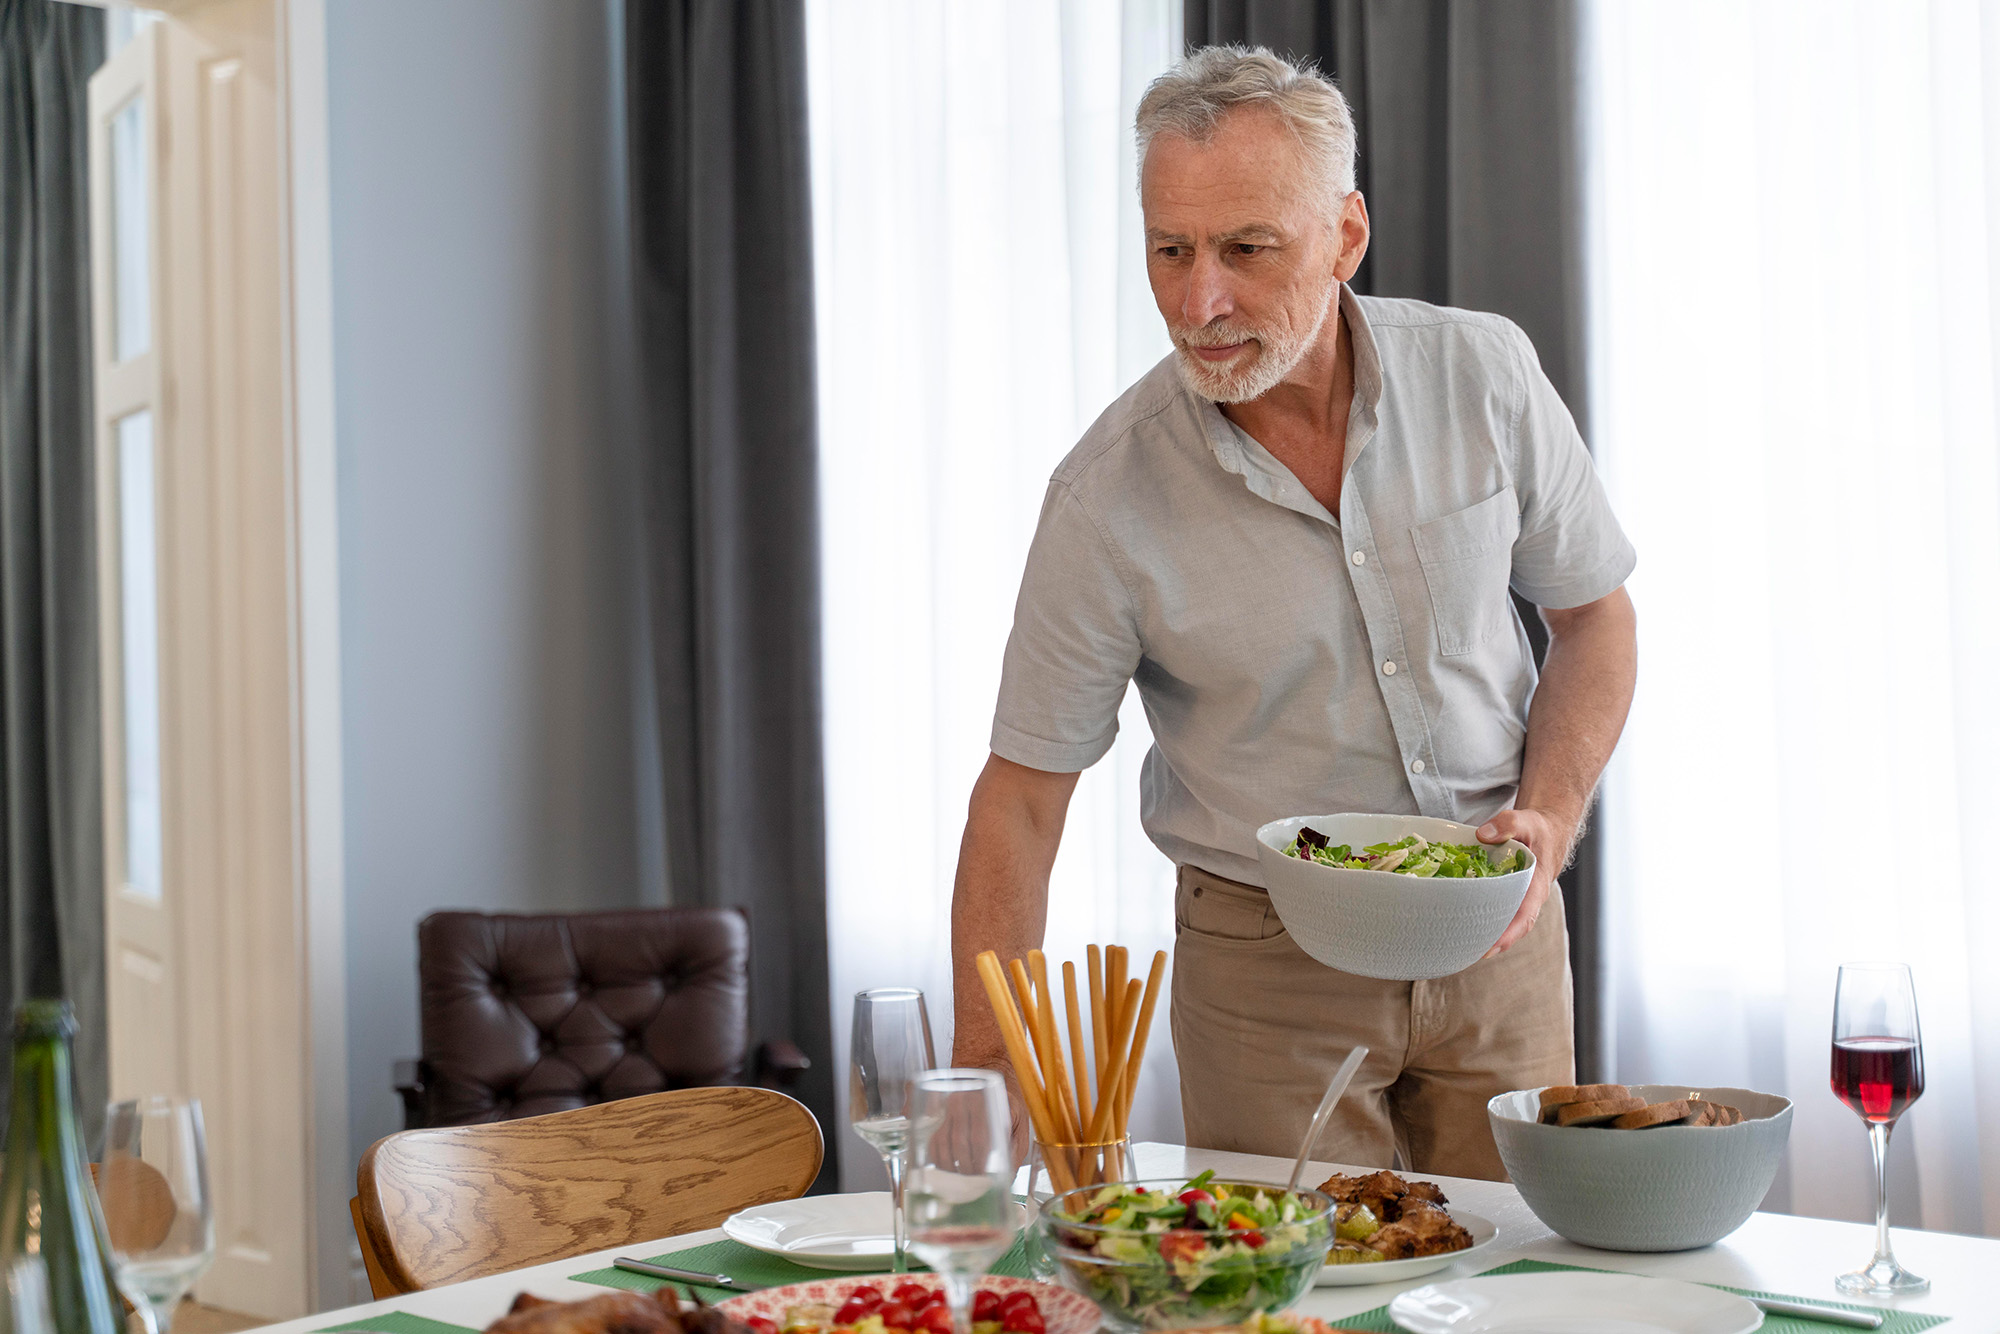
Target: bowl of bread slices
1641 1167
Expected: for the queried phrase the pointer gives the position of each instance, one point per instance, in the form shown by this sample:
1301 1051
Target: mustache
1216 335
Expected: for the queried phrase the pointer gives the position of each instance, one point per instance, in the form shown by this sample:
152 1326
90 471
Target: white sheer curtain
1795 320
981 298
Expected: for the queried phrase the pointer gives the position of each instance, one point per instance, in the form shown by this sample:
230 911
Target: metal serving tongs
1341 1079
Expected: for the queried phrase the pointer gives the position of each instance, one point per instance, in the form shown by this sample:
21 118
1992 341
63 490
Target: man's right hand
1000 902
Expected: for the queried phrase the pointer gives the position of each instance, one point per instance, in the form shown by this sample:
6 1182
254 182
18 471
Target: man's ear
1353 232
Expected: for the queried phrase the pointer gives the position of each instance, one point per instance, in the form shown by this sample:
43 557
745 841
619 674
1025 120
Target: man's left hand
1548 837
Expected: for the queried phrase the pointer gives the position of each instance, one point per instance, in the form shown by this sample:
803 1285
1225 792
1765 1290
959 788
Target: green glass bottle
48 1206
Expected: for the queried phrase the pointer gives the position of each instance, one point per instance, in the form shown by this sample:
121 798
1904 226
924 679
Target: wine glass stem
1878 1142
958 1296
895 1160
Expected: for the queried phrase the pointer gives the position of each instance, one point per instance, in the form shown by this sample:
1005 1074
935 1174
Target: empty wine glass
1878 1070
892 1045
154 1186
962 1211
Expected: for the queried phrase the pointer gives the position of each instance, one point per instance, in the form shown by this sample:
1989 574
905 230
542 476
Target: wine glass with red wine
1878 1070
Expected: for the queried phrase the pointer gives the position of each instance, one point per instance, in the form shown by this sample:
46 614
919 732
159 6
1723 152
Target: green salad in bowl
1174 1254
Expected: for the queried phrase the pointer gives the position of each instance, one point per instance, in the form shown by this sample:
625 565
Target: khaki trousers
1259 1028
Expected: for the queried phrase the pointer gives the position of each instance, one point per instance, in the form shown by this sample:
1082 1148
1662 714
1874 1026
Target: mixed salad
1408 856
1211 1253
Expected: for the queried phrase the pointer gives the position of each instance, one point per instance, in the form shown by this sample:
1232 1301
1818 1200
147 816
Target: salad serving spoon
1341 1079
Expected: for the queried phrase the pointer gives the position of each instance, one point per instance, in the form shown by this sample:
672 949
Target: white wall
487 514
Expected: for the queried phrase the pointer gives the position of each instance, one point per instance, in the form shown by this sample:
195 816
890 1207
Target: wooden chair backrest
439 1206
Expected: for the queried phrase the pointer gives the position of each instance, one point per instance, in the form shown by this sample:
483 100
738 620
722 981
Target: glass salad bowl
1177 1254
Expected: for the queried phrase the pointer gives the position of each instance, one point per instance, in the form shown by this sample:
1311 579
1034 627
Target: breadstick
1097 1017
1024 993
1139 1034
1121 1044
1076 1047
1055 1073
1024 1062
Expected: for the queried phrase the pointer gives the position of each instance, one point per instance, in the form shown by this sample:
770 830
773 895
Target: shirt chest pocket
1468 557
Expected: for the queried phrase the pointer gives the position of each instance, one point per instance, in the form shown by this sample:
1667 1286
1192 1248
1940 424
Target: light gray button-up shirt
1290 661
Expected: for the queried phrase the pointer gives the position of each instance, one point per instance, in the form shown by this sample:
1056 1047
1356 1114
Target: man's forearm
1579 707
1000 897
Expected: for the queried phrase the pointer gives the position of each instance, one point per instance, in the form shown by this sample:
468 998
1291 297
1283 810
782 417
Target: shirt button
1388 669
1360 558
1416 766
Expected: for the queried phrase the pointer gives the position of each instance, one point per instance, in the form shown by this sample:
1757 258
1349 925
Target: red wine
1878 1077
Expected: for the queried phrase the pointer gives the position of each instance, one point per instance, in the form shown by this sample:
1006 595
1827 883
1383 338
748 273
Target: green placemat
745 1266
1896 1322
398 1322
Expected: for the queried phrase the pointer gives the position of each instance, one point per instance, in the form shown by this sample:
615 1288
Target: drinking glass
1878 1070
1054 1169
26 1309
962 1211
891 1047
154 1187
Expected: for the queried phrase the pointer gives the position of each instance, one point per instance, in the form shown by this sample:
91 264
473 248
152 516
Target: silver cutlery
1832 1315
694 1276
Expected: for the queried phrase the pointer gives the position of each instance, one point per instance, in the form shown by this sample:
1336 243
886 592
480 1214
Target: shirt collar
1239 453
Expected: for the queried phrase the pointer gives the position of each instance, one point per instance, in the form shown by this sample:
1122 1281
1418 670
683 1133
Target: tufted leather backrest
528 1014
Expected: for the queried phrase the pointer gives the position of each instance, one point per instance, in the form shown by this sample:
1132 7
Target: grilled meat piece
1422 1230
613 1313
1383 1192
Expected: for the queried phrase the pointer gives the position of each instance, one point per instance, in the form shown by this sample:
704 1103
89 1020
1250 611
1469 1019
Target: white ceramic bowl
1669 1188
1378 923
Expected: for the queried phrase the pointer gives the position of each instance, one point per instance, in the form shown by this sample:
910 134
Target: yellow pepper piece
1243 1220
1111 1214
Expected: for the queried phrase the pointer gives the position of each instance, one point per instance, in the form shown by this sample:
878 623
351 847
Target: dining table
1772 1253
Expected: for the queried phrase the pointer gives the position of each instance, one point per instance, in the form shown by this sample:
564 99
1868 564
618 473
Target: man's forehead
1248 173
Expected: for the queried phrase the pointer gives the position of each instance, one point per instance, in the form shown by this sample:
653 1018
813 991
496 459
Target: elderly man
1297 534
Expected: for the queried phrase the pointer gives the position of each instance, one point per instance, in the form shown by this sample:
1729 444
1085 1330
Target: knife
688 1275
1832 1315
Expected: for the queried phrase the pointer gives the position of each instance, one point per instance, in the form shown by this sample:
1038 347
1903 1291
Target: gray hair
1191 98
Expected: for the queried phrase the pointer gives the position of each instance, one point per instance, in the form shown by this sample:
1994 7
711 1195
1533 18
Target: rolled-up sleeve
1571 549
1074 646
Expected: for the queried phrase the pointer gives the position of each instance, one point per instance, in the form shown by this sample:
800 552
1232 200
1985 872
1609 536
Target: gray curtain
723 303
51 901
1470 162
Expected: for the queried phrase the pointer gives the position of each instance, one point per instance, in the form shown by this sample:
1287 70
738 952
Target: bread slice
1656 1114
1562 1093
1598 1112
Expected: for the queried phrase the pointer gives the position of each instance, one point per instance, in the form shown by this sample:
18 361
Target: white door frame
236 991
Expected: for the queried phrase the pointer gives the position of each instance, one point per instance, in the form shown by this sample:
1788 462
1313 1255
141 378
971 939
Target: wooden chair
439 1206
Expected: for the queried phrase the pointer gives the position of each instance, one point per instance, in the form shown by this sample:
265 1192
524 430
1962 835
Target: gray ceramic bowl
1378 923
1669 1188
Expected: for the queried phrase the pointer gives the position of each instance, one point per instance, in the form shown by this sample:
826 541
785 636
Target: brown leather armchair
523 1014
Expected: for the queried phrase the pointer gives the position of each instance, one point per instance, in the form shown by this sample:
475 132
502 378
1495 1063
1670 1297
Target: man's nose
1208 295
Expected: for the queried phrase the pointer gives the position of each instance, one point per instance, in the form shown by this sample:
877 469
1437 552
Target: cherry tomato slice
986 1304
1195 1196
762 1325
1024 1322
1182 1243
911 1295
1015 1300
897 1315
935 1319
869 1295
852 1312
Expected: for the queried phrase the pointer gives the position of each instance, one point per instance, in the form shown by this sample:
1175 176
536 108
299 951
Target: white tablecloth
1773 1252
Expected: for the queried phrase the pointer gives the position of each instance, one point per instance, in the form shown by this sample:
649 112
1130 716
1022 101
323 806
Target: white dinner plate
1401 1271
1572 1303
848 1232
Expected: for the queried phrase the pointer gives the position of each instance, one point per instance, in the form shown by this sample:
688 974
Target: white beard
1254 371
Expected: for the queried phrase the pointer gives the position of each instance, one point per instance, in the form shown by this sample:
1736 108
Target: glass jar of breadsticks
1079 1103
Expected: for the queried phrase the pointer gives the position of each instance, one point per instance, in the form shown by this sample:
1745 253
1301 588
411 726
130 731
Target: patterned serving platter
1063 1311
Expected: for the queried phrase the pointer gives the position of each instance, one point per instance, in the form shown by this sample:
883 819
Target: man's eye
1171 251
1245 248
